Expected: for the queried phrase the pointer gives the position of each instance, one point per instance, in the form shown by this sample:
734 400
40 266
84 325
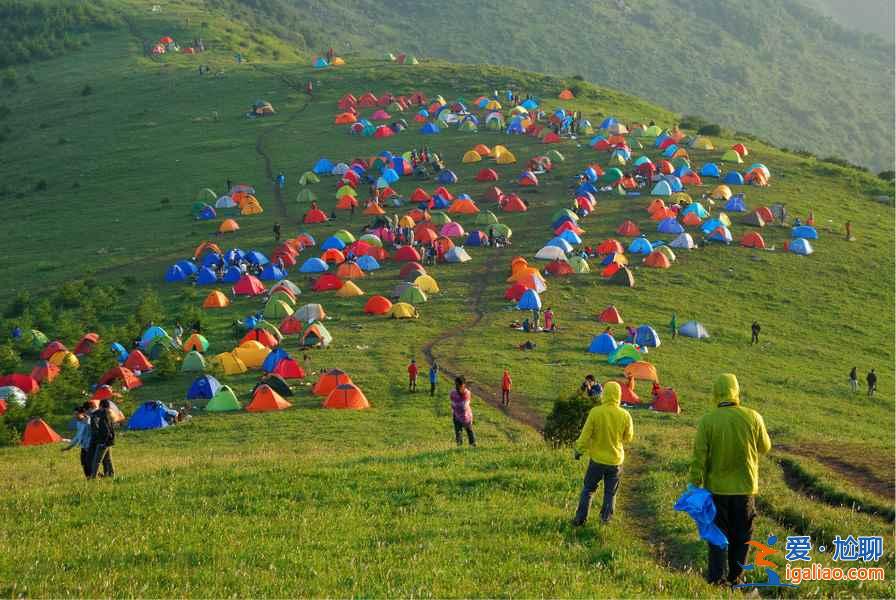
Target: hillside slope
725 60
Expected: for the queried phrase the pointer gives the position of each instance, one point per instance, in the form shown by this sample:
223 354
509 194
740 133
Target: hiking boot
577 523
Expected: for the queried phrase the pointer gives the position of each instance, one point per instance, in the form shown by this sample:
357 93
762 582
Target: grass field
378 503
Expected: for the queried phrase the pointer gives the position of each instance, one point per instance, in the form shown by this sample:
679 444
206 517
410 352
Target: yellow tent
252 353
506 158
251 207
346 190
348 290
230 362
427 284
337 61
702 143
493 105
732 156
722 192
403 310
471 156
406 221
64 357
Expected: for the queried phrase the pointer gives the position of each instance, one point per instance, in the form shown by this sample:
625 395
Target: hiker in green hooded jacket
730 439
606 429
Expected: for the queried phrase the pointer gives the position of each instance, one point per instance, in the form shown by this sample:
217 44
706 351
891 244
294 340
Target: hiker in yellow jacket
730 440
607 428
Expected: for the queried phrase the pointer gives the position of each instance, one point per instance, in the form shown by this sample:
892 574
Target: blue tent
440 202
681 170
429 129
609 259
736 204
602 344
733 178
121 354
529 301
272 359
658 141
206 277
368 263
272 273
708 226
607 123
234 255
640 245
323 167
232 274
332 242
188 266
529 104
670 150
320 63
662 188
256 258
559 242
390 175
149 415
446 177
212 259
207 213
693 329
645 335
571 236
150 334
313 265
697 208
801 246
204 386
476 238
710 170
674 183
804 231
670 225
174 273
590 174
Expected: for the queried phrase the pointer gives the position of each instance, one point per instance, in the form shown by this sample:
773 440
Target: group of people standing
870 379
95 436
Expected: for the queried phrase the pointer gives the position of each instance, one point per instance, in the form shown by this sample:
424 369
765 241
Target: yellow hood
726 389
612 394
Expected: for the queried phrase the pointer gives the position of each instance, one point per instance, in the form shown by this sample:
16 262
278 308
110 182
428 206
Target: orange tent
692 219
463 207
228 226
482 150
566 95
657 260
656 204
265 399
346 395
642 370
513 203
628 393
349 270
374 209
216 299
346 202
610 315
262 336
345 118
752 239
137 361
333 256
209 246
628 229
126 377
610 246
44 371
378 305
37 432
329 381
662 213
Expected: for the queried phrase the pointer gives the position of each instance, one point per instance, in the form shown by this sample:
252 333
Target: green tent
277 309
193 362
282 296
555 156
346 236
306 196
413 295
501 229
732 156
411 60
563 213
390 57
270 328
34 340
468 126
224 400
206 195
611 175
309 177
579 265
316 334
681 161
623 351
620 191
197 208
486 217
494 123
157 345
438 217
372 239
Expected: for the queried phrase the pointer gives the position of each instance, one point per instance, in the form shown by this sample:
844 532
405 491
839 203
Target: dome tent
693 329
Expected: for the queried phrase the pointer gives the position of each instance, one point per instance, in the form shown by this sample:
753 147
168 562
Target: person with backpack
81 438
506 385
461 412
729 443
607 429
755 328
871 379
102 438
854 380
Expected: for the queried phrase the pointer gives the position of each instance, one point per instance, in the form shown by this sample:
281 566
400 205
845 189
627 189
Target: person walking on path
854 380
102 438
673 325
81 438
276 232
506 385
413 371
607 429
729 442
433 378
849 237
461 412
872 382
755 328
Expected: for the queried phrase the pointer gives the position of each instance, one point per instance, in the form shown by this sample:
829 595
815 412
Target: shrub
711 129
40 186
86 90
167 365
887 175
565 421
18 305
10 360
10 79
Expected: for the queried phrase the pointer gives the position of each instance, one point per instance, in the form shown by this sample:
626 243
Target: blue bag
697 502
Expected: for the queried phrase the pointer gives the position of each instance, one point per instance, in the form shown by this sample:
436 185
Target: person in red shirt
506 384
412 376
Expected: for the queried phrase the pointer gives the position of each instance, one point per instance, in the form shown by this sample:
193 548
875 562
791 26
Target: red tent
248 285
487 175
37 432
407 253
610 246
51 349
327 282
377 305
123 375
288 368
262 336
610 315
26 383
315 215
559 267
87 342
666 401
137 361
628 229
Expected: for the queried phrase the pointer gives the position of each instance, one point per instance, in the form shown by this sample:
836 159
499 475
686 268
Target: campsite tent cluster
239 200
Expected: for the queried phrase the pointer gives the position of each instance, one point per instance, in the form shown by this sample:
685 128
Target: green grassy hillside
97 189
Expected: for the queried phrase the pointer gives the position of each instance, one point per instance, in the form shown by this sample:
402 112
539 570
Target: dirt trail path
520 408
859 475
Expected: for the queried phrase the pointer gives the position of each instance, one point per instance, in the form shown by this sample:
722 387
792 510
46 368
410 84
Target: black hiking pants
460 426
734 516
100 454
86 461
610 475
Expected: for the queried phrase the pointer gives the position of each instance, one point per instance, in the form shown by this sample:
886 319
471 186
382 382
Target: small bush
10 79
887 175
86 90
711 129
18 305
565 421
40 186
4 111
10 360
167 365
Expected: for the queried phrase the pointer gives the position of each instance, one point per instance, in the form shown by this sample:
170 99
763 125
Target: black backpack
101 429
